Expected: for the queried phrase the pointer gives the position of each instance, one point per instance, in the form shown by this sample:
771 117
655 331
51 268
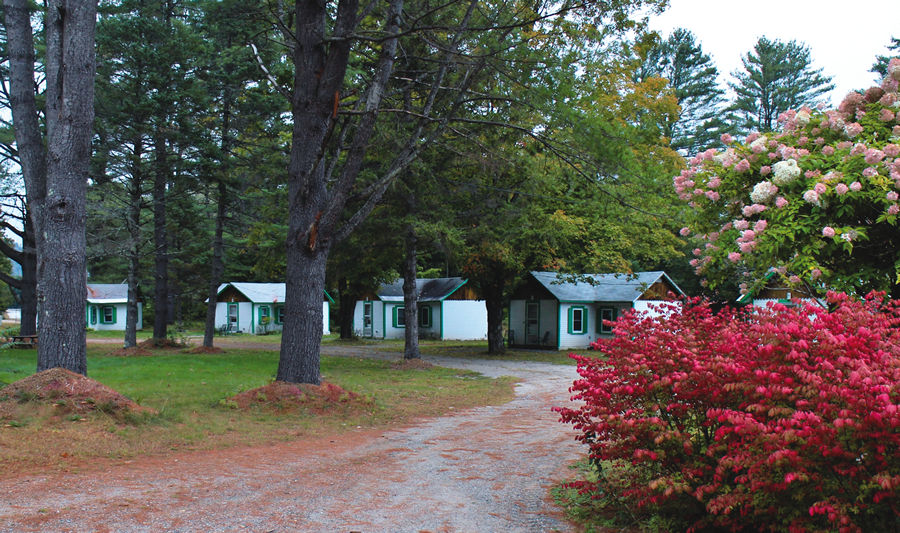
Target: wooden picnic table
27 341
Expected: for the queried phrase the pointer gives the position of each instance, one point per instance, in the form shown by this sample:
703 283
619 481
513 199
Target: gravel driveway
483 470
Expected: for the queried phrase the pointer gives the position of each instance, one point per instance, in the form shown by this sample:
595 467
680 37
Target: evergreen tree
777 76
881 62
693 77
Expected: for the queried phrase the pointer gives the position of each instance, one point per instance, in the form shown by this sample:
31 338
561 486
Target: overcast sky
843 38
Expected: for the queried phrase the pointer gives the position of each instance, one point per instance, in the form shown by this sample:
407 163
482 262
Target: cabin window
577 320
108 315
93 314
606 314
425 317
399 317
263 313
279 314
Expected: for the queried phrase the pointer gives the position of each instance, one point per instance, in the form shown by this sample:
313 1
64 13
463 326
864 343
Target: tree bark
411 298
315 210
30 147
302 334
62 277
134 253
493 300
347 299
218 266
160 236
28 286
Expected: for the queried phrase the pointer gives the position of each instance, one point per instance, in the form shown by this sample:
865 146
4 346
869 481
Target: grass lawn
189 392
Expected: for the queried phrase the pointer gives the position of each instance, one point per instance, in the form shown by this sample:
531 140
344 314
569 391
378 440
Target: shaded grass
188 391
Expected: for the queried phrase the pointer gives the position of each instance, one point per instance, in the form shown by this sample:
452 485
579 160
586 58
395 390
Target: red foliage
778 419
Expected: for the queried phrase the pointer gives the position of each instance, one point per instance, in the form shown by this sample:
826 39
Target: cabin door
232 317
532 326
367 319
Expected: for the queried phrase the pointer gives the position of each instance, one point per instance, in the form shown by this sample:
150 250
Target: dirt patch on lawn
313 399
205 349
67 392
161 344
134 351
411 364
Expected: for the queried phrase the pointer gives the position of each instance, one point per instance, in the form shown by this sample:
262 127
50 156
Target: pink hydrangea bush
779 419
837 169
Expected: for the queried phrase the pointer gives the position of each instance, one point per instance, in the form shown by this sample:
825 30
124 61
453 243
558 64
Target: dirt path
484 470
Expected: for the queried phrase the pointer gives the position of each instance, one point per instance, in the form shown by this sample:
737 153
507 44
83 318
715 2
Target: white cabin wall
464 320
569 341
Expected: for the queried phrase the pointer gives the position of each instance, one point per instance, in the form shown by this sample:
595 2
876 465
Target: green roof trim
463 282
748 298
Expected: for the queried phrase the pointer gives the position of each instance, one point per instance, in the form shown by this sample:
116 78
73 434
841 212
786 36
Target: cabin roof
605 287
107 293
262 292
429 290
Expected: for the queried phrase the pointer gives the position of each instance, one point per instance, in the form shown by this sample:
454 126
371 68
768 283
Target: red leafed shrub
776 419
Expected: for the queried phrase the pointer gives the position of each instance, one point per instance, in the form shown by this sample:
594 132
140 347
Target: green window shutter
114 320
569 322
581 313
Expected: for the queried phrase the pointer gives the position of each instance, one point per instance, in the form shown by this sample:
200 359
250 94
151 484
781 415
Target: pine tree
881 62
693 77
777 76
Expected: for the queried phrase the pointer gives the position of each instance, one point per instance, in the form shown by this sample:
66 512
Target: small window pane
401 316
577 320
606 314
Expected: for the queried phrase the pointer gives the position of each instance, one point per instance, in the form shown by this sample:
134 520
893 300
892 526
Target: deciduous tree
335 116
56 177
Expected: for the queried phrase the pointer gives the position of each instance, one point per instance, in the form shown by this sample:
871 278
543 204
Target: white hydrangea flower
763 192
785 172
761 142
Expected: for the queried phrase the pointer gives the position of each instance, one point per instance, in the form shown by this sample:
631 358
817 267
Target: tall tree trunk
160 236
493 300
134 256
314 210
30 147
411 297
347 299
28 286
302 335
27 283
215 278
62 276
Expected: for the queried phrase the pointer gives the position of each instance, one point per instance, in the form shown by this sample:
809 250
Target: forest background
502 138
